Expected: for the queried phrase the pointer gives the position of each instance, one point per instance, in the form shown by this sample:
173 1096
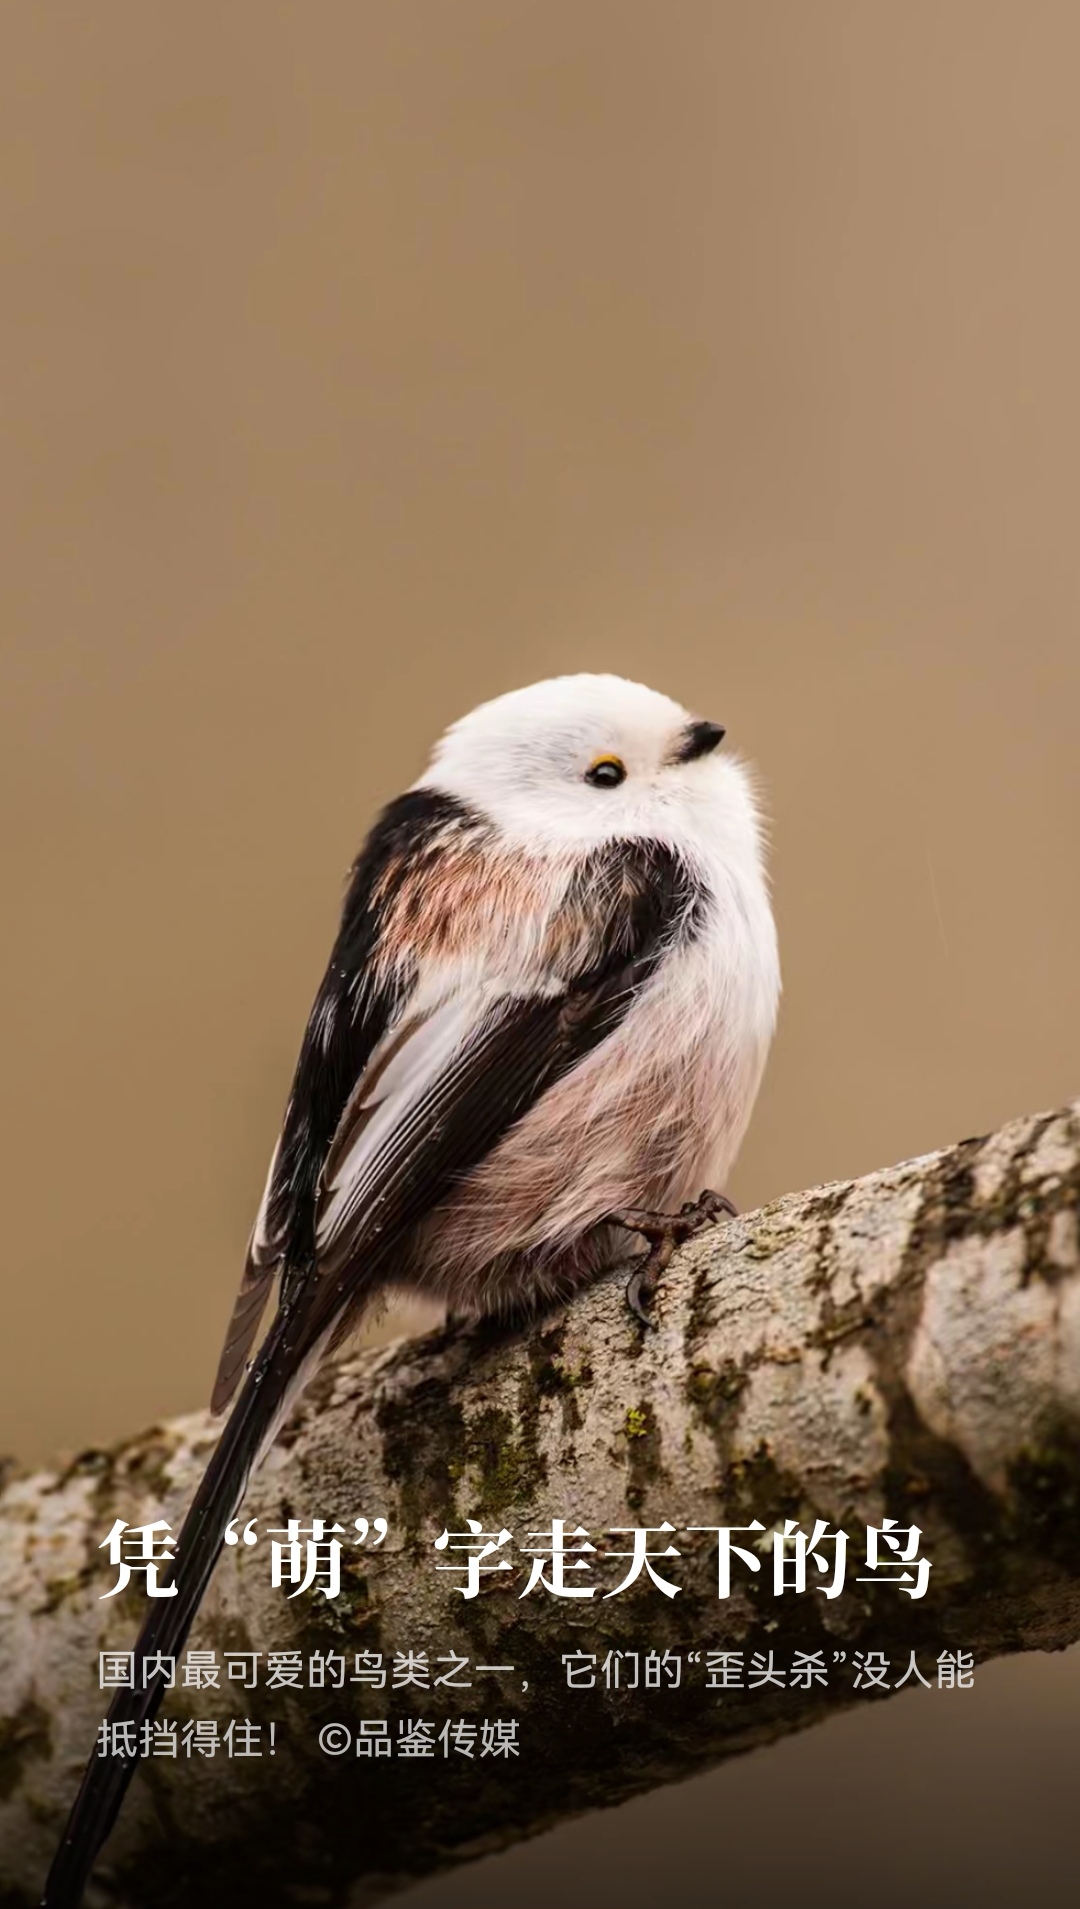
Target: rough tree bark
906 1344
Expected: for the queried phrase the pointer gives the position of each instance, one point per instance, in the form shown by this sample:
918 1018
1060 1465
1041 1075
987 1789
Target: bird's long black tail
523 1046
267 1392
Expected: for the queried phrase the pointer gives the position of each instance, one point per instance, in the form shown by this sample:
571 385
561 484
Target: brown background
363 360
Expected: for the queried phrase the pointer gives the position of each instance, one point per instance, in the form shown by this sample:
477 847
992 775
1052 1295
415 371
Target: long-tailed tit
544 1020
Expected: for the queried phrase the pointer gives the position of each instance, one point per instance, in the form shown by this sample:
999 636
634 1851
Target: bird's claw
640 1288
664 1232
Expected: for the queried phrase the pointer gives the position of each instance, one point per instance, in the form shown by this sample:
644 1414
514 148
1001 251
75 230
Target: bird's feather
357 998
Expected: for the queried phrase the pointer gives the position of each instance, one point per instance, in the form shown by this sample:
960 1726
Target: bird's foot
664 1232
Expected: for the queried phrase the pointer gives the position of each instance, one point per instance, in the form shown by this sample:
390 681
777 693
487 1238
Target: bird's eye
606 772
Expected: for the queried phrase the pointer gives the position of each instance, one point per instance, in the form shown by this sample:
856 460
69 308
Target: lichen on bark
904 1345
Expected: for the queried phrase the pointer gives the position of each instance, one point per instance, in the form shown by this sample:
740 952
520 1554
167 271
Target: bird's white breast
656 1112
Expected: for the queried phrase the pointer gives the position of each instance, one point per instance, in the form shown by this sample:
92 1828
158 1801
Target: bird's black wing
358 999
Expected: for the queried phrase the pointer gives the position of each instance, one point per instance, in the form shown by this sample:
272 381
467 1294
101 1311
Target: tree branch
907 1344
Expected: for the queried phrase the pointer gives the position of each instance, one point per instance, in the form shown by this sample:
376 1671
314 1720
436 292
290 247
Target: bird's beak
700 739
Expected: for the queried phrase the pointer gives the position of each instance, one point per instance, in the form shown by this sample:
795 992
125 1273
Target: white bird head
580 760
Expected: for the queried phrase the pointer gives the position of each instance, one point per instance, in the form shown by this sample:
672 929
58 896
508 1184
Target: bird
542 1029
